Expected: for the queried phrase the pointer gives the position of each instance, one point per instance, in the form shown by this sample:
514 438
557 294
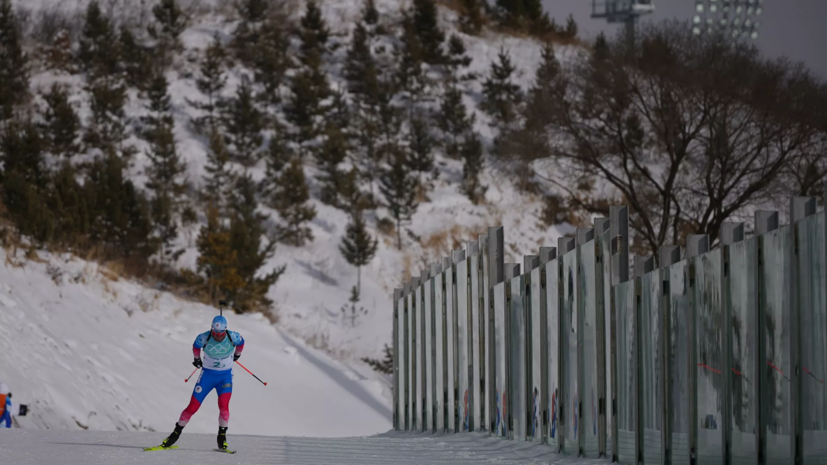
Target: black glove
196 362
236 357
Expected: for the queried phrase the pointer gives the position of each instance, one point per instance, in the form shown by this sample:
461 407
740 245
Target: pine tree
247 226
277 156
271 61
600 49
100 47
216 257
399 189
370 15
136 59
453 120
244 123
309 87
472 159
571 28
211 82
410 78
14 77
502 96
247 35
420 147
67 206
290 199
457 59
218 180
471 19
107 126
170 22
360 67
61 125
329 156
385 365
159 106
358 247
426 27
313 34
59 54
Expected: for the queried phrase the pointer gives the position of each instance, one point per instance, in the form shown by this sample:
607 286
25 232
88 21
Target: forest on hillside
688 131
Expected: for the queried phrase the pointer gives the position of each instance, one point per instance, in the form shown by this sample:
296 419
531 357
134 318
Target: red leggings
223 410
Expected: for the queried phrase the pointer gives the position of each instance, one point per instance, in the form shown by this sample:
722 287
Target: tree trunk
398 234
359 280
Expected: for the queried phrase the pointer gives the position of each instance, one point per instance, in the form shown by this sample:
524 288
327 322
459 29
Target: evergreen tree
290 199
107 127
471 19
247 227
244 123
472 159
410 78
385 365
271 61
136 59
571 28
457 59
420 147
329 156
14 77
100 47
360 67
600 49
501 95
159 107
426 27
211 82
370 15
277 156
399 189
61 125
358 247
453 120
313 34
218 180
309 87
247 35
59 55
216 257
170 22
67 206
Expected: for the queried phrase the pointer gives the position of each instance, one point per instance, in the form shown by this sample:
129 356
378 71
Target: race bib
217 364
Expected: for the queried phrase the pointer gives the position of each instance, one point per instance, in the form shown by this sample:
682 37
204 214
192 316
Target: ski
147 449
227 451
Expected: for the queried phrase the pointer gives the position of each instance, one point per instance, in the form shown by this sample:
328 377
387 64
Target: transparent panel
450 350
428 309
743 351
440 395
553 353
589 367
709 358
776 346
485 346
400 354
651 376
569 322
678 387
500 353
608 337
476 355
420 359
625 305
812 313
538 329
463 344
518 401
411 310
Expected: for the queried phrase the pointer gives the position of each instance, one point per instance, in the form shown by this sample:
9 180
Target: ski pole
193 372
248 371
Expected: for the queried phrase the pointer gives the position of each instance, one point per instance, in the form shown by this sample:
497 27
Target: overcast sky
793 28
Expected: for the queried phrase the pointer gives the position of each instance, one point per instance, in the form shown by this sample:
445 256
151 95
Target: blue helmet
219 324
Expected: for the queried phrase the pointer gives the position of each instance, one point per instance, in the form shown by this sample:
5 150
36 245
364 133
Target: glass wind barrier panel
476 356
400 353
678 368
463 334
776 346
427 297
439 353
710 351
554 437
450 351
411 421
625 303
537 325
517 401
812 314
500 353
570 326
743 351
422 363
589 334
608 338
650 358
485 342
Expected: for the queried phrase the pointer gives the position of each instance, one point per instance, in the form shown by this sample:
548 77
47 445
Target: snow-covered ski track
30 447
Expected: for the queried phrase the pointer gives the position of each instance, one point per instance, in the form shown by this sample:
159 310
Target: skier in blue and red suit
221 349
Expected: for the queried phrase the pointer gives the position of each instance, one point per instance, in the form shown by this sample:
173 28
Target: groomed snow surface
21 447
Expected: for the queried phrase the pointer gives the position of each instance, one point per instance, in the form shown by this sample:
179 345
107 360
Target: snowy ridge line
98 448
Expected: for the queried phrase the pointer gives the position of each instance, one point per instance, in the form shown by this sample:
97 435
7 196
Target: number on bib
216 364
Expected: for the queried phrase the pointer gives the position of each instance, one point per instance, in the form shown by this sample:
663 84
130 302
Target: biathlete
221 349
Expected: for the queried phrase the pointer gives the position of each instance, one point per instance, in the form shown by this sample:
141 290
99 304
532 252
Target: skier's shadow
98 444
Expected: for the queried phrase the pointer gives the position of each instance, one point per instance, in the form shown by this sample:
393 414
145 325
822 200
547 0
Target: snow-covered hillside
86 351
309 297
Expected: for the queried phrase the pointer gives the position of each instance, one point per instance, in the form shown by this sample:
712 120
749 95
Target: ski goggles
219 334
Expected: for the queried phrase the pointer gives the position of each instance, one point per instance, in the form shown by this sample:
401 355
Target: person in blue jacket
5 418
221 348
